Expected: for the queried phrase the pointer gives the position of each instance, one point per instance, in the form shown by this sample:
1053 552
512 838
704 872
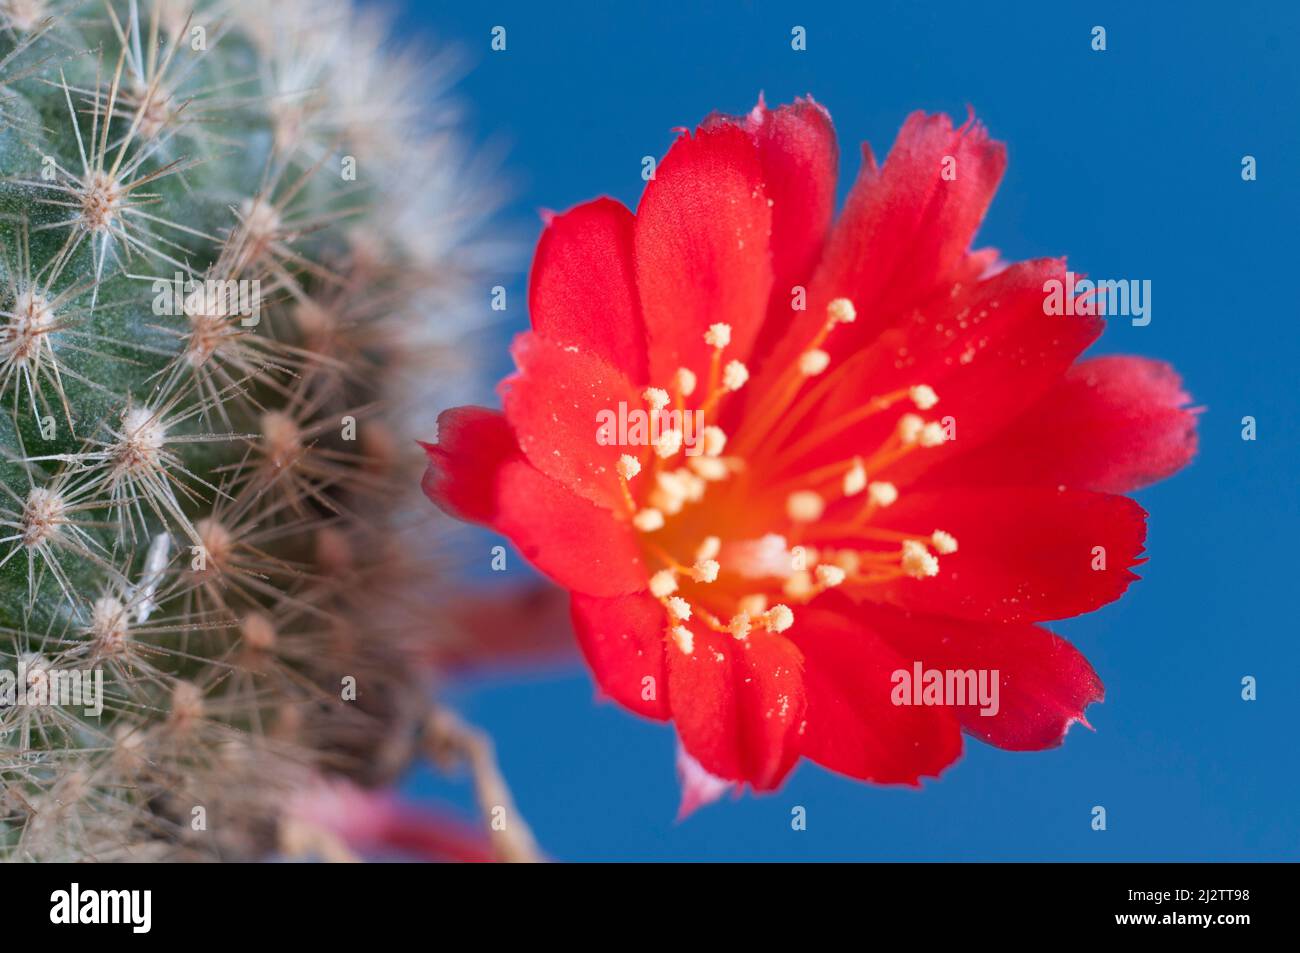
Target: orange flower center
713 567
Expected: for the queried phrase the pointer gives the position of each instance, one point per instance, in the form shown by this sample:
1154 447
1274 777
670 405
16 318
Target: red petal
474 474
1025 553
738 704
853 725
1113 424
473 444
701 249
623 641
800 160
1008 355
989 352
1044 682
904 231
583 290
555 404
579 545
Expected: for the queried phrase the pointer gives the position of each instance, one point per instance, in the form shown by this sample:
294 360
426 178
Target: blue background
1127 160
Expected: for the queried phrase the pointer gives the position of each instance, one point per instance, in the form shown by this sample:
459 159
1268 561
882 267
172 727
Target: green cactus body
221 252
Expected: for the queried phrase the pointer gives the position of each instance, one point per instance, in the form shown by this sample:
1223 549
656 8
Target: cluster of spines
197 499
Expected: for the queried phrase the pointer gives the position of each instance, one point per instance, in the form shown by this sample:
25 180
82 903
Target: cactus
234 242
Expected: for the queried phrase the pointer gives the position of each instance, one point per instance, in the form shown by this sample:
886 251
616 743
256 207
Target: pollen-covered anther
718 336
708 548
667 504
848 560
812 363
692 485
882 493
705 570
684 380
683 638
830 576
917 561
670 493
668 444
923 396
944 543
778 618
628 466
678 609
799 585
712 469
932 435
713 440
909 428
740 625
734 376
656 397
648 519
841 311
805 506
669 483
663 583
855 481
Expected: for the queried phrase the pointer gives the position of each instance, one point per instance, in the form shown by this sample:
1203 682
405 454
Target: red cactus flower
776 460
